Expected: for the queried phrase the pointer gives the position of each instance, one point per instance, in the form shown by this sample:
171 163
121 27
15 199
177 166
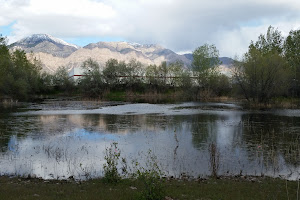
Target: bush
112 156
151 180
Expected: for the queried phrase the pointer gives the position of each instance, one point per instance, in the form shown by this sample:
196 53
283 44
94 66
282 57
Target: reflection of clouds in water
226 130
74 153
80 153
60 156
74 144
87 135
13 144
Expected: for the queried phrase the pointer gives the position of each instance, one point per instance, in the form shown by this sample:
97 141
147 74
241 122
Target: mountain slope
155 53
54 52
226 61
46 44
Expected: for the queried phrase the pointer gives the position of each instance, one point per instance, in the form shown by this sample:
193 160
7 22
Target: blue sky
180 25
7 30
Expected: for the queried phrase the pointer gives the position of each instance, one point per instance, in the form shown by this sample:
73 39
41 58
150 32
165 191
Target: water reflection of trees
4 133
203 127
132 123
7 125
214 128
113 123
269 136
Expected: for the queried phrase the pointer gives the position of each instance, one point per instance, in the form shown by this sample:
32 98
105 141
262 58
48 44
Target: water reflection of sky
87 135
63 143
13 144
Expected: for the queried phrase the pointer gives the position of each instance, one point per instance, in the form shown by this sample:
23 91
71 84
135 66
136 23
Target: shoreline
158 98
234 187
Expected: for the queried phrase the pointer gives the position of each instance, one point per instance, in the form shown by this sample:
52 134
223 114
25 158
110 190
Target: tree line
19 77
269 69
163 78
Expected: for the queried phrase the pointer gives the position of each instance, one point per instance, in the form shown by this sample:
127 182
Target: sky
180 25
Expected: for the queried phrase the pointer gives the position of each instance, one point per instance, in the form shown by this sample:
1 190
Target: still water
62 139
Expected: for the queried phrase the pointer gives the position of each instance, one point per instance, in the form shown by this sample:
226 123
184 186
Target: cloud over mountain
175 24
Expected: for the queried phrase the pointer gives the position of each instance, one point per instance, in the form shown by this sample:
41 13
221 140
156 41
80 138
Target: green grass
229 188
116 96
233 189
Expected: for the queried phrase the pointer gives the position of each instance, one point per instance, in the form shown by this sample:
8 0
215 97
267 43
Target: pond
63 139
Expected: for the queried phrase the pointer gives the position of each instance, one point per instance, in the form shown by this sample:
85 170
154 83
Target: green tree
115 73
5 66
272 42
186 82
263 72
205 61
152 72
26 75
163 72
175 70
19 76
292 54
221 85
92 83
46 83
62 81
134 71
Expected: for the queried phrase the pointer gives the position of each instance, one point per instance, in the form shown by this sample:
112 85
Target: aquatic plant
151 179
214 159
112 155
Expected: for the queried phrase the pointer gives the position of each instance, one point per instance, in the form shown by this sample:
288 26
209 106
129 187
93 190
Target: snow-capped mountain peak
138 45
135 44
36 38
57 40
46 44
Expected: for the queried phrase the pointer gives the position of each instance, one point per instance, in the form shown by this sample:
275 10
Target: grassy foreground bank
223 188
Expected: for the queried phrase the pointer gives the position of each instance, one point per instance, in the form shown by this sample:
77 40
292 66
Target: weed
214 160
112 155
86 171
149 176
151 179
124 167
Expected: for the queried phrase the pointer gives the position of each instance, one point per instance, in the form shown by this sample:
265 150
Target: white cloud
236 42
71 8
177 24
9 10
58 17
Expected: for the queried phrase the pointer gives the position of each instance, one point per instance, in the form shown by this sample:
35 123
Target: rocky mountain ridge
46 44
54 52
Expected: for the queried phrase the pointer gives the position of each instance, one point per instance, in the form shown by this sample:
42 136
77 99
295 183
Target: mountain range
54 52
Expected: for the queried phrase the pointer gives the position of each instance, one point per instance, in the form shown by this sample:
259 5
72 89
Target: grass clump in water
151 180
148 177
110 168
